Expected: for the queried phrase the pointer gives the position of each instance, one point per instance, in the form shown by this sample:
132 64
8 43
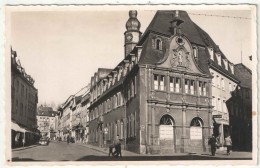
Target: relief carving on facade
180 58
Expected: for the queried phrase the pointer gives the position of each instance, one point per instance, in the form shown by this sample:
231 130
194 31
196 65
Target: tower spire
132 33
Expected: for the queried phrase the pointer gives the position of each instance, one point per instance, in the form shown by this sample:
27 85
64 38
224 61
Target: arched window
166 130
166 120
158 44
196 129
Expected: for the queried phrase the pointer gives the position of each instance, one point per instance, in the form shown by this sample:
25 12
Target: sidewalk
105 150
219 154
25 147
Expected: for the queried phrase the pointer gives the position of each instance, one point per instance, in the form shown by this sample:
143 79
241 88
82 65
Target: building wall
221 92
24 101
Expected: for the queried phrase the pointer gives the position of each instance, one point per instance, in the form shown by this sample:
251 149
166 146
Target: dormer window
195 52
231 67
157 44
219 59
225 64
210 49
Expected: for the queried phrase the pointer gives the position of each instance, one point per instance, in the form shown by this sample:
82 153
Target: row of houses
172 90
24 99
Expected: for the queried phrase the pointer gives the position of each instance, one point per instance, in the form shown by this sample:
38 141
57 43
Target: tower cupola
132 33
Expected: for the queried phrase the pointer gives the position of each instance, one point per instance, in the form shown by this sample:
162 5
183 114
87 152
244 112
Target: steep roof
160 24
244 74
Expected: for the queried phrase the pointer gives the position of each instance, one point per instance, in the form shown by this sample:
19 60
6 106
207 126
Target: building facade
24 99
47 122
158 99
240 107
74 116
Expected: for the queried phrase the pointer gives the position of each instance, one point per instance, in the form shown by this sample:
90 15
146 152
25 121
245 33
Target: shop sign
217 116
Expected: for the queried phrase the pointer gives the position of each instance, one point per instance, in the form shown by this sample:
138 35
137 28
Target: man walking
212 142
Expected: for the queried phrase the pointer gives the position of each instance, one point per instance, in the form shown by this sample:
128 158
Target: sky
61 50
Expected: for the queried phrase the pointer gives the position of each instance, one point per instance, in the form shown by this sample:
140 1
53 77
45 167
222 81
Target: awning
16 127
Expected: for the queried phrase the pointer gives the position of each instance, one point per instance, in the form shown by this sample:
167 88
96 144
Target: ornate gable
179 55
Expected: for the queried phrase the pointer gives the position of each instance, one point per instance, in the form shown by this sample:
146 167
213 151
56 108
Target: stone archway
167 134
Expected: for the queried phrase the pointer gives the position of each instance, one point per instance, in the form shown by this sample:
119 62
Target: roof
160 24
244 74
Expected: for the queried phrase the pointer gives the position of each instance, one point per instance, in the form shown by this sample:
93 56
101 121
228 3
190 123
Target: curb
23 148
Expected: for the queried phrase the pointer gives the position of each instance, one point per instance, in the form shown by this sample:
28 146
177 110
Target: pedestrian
117 147
228 144
213 142
68 139
111 146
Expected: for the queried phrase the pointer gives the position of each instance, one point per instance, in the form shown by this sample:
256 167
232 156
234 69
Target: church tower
132 33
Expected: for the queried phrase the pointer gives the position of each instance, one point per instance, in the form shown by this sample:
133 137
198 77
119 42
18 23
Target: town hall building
158 99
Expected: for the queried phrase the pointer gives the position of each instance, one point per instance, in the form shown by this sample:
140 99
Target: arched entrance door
166 132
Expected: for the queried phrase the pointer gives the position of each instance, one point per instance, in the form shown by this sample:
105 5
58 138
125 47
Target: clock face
180 40
129 37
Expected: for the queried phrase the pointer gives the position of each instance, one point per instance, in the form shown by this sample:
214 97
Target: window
162 83
214 102
115 101
195 52
158 44
219 107
200 88
121 130
187 86
204 93
218 81
156 85
159 82
213 79
196 129
231 68
192 84
171 84
132 88
210 52
230 87
177 85
219 59
224 107
222 84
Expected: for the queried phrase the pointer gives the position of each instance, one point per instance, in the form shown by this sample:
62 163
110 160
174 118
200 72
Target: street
55 151
61 151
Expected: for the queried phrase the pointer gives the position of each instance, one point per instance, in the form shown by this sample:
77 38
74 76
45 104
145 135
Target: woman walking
228 144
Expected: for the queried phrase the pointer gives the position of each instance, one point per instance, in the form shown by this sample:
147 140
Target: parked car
44 141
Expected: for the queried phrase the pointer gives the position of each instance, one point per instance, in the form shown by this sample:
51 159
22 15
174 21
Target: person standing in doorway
212 142
228 144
